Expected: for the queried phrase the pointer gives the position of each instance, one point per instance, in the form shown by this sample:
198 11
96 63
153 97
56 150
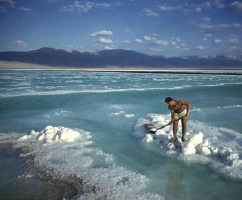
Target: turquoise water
17 181
109 106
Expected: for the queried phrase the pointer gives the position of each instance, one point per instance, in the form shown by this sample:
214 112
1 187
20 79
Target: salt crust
198 149
69 152
123 113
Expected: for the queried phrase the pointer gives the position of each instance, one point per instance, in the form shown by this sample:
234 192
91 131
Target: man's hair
168 99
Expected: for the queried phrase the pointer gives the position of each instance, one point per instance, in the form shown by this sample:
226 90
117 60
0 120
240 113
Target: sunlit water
108 106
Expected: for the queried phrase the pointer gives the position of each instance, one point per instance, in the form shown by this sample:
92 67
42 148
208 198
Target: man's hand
172 121
186 116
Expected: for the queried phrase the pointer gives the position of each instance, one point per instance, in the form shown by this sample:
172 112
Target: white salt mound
196 139
188 149
196 145
52 134
228 160
72 152
149 138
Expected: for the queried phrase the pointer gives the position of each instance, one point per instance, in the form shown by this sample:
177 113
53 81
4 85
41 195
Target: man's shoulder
180 101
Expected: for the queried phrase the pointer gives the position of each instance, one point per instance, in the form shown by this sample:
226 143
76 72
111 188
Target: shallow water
18 182
109 106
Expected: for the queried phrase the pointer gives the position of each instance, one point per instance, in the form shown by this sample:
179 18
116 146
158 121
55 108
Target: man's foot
184 139
174 139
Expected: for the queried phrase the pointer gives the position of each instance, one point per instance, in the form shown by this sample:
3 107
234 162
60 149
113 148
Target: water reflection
176 187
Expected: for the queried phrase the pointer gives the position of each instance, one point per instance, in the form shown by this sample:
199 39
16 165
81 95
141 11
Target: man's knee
175 123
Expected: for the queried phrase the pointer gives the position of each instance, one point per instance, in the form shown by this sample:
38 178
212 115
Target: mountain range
117 58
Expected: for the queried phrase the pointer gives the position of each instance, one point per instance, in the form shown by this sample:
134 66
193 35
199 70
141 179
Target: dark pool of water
14 184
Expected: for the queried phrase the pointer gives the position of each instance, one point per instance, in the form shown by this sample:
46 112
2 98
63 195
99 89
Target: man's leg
175 128
184 127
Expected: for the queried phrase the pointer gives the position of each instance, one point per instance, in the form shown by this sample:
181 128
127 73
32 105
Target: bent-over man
179 111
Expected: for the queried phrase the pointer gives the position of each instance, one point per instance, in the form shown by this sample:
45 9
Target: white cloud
218 41
126 42
77 7
215 28
8 2
207 35
150 37
108 48
188 8
218 4
102 33
177 42
25 9
80 7
155 49
147 38
198 9
206 19
137 40
103 5
104 40
150 13
199 47
233 40
169 8
233 48
205 5
51 1
5 5
102 37
186 49
173 43
161 42
204 38
2 9
20 43
176 39
155 43
236 5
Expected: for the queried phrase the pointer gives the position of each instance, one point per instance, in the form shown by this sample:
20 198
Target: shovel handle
163 126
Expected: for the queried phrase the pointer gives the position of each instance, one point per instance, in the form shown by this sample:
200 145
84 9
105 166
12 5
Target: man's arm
188 105
172 117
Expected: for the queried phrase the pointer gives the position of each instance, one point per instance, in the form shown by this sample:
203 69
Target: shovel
161 127
151 128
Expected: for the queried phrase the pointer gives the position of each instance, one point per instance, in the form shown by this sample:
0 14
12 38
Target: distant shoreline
6 65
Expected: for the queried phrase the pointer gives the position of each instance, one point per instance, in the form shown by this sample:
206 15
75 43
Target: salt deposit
188 149
129 115
53 134
198 148
71 152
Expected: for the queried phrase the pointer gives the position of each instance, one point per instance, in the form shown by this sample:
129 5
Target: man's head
169 100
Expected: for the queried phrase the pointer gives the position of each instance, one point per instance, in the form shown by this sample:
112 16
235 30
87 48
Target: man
179 111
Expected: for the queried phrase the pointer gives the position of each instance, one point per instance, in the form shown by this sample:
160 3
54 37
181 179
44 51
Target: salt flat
27 66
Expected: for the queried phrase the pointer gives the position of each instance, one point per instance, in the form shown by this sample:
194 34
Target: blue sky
155 27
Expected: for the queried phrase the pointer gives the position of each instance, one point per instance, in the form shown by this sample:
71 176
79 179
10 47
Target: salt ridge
219 147
67 91
62 91
71 152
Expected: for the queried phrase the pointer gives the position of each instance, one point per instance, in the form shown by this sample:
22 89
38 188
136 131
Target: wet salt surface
67 153
216 146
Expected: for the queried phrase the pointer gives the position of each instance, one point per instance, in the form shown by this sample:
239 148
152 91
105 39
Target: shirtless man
179 111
